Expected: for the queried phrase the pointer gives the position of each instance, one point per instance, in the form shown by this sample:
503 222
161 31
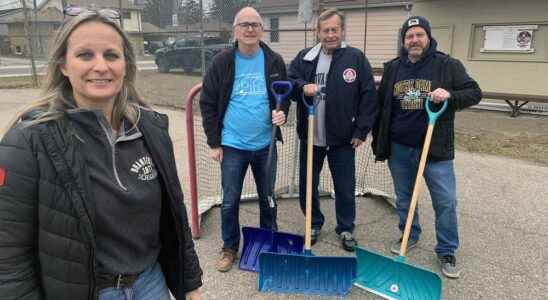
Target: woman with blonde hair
90 202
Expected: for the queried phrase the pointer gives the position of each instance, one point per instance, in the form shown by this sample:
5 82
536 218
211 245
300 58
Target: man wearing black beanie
420 72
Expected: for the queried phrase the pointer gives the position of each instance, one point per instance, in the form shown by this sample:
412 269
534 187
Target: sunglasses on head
73 11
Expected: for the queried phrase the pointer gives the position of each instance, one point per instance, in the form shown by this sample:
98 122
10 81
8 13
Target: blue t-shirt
247 124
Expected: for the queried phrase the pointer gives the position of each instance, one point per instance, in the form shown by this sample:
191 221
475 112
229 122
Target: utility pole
365 28
29 41
202 50
121 14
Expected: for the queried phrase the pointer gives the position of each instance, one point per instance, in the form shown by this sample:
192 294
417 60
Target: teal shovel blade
393 278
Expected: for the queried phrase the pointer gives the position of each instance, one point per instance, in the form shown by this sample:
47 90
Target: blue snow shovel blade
306 274
393 278
259 240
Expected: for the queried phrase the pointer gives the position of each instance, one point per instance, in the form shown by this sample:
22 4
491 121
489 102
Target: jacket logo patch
144 168
349 75
2 176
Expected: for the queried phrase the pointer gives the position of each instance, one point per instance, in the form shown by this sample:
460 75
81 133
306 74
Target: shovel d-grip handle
311 107
433 115
280 85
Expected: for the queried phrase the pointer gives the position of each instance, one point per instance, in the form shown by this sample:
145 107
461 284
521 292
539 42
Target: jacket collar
315 51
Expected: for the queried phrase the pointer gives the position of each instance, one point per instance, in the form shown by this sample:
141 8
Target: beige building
503 44
378 25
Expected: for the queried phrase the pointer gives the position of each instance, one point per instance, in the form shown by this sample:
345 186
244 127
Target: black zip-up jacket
350 105
47 234
449 74
217 88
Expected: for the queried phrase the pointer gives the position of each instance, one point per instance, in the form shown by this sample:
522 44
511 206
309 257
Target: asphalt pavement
503 222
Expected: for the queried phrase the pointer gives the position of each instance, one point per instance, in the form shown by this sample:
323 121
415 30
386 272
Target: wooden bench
515 101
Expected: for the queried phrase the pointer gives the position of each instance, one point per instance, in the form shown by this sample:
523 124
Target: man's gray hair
240 12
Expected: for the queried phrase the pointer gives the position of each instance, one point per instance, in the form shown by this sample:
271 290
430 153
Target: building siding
383 25
290 42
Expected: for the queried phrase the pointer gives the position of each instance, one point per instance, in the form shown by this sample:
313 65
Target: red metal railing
194 216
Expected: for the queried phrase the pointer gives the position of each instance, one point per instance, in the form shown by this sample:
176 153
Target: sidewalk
503 209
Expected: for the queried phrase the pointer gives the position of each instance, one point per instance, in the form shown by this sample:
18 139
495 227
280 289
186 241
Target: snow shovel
394 278
258 240
306 273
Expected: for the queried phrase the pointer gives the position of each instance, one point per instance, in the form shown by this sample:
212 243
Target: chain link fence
182 36
175 40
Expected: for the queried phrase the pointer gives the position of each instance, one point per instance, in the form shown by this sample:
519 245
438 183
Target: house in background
504 47
379 26
131 17
47 17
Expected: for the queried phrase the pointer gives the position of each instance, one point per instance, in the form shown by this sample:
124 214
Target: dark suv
185 53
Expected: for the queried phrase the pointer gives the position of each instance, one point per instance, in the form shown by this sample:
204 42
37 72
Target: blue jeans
150 285
341 161
233 169
440 179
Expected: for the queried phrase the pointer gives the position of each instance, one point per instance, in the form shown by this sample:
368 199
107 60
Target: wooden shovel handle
309 148
416 191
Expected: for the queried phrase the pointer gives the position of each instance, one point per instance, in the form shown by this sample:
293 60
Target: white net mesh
371 178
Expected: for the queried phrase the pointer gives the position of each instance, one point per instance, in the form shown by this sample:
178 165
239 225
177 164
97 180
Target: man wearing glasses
339 79
238 111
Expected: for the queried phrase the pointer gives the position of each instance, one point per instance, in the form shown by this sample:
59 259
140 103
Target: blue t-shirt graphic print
247 124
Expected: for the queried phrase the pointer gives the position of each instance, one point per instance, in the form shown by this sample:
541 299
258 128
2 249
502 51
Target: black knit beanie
415 21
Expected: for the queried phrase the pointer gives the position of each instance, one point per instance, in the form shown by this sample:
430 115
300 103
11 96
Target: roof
15 4
208 26
102 4
285 6
149 27
50 14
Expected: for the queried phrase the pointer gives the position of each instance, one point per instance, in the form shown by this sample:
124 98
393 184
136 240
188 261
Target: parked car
151 46
186 53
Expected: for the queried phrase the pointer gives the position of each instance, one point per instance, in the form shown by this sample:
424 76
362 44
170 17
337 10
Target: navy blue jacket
351 99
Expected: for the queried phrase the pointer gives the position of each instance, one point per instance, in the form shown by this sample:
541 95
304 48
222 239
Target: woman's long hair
57 90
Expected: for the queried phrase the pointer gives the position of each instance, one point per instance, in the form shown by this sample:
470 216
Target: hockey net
204 184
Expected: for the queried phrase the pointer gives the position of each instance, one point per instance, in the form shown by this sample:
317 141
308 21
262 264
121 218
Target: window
274 30
126 15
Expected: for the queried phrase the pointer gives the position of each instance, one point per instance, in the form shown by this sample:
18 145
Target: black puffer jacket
47 237
449 74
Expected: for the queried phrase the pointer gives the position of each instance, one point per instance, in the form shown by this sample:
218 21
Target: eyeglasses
253 25
74 11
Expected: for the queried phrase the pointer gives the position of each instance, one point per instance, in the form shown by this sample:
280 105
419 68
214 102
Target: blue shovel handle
433 115
311 107
282 85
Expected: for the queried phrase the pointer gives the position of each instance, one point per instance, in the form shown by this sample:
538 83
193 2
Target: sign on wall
517 38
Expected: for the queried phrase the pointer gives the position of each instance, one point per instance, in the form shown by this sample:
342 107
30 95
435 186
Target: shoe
395 249
347 241
314 235
228 257
449 266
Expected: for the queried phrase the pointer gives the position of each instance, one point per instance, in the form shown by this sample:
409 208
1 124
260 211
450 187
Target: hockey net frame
204 183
